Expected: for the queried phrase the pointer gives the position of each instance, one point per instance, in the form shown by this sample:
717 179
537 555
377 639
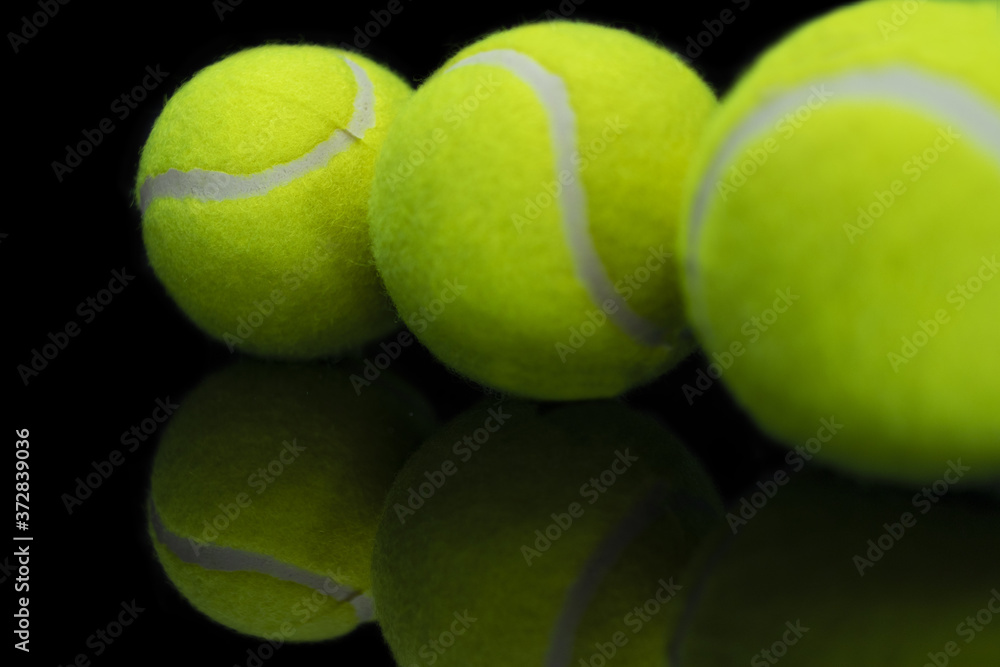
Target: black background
63 238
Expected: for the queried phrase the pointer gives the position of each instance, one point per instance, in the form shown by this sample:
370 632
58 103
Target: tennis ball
525 205
523 536
834 572
840 241
253 187
266 491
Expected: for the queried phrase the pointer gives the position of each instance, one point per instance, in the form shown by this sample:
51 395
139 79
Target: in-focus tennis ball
519 536
253 187
266 491
841 239
832 572
525 208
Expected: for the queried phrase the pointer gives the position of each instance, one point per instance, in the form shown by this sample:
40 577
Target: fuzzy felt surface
819 558
289 273
285 461
467 193
465 546
874 203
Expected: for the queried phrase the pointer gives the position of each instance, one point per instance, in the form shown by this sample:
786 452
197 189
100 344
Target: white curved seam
208 185
935 95
554 97
693 603
649 509
652 507
229 559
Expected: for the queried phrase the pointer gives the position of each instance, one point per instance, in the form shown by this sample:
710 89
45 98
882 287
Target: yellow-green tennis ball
266 491
840 245
525 207
520 536
831 572
253 187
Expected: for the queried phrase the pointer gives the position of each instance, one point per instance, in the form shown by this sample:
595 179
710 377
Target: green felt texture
308 239
462 551
861 293
447 213
320 510
795 561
